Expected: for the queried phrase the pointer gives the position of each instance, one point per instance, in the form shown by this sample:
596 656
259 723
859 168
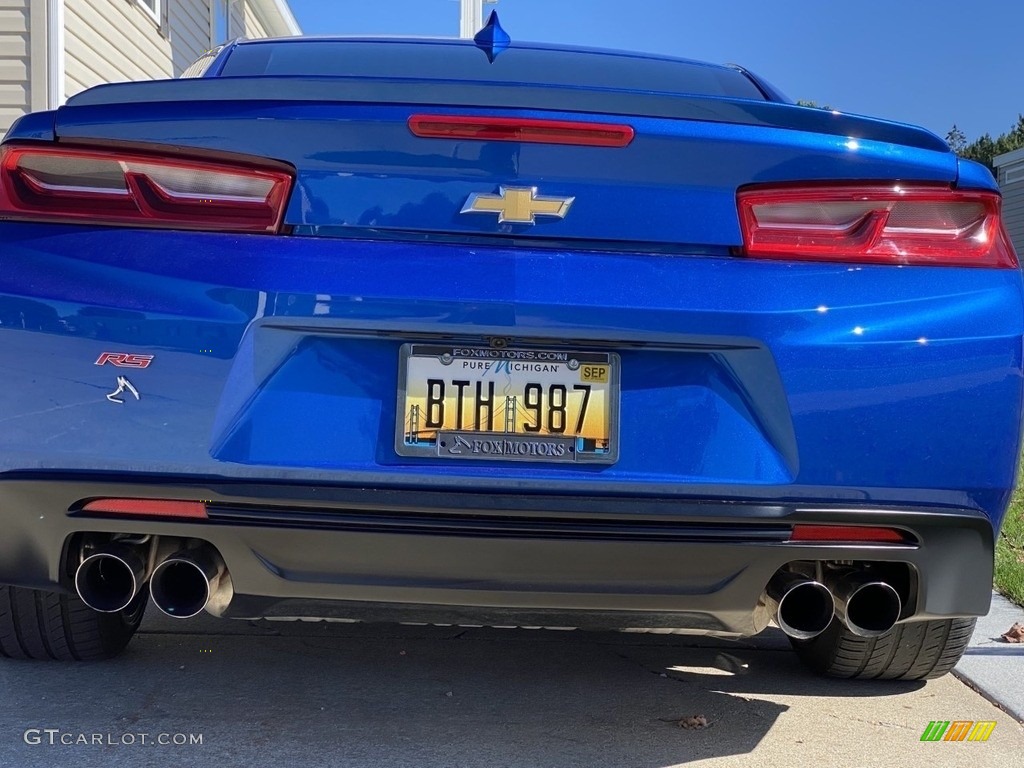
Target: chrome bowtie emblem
518 205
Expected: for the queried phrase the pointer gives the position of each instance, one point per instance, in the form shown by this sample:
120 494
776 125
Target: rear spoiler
496 95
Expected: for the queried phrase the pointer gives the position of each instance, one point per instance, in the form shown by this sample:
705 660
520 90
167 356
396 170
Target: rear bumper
476 558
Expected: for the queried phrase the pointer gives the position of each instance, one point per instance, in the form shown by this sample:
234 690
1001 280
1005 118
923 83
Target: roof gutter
278 16
1008 158
55 88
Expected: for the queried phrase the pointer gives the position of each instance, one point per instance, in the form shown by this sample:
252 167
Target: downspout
55 65
216 8
471 17
471 14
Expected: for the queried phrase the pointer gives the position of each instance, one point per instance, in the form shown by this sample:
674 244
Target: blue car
499 333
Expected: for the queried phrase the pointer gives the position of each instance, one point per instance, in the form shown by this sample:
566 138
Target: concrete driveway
318 694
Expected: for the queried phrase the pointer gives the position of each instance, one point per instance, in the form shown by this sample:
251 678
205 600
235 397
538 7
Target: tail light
102 186
521 129
876 224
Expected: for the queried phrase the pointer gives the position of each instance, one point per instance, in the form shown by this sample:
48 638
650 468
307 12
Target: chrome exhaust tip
109 579
189 581
803 608
867 606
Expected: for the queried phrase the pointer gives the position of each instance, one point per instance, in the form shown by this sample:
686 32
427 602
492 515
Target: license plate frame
417 433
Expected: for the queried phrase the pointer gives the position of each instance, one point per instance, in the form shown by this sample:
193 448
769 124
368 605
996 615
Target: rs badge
122 360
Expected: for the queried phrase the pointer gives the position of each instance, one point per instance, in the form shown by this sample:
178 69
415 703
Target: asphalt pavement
328 694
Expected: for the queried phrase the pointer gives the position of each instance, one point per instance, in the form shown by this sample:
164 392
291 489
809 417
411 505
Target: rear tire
60 627
918 650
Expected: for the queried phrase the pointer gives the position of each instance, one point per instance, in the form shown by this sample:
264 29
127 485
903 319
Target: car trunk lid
361 171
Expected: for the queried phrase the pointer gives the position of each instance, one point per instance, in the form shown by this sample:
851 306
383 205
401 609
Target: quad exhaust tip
189 581
803 608
108 580
868 607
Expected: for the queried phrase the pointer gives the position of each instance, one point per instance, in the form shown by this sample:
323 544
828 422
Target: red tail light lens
521 129
111 187
887 225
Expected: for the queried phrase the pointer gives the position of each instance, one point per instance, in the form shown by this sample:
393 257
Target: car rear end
389 330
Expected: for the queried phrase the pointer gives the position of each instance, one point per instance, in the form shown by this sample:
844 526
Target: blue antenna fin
492 39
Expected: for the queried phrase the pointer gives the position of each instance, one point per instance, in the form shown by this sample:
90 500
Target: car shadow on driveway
269 693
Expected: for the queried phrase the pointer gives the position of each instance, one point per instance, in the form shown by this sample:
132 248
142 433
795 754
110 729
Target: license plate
506 404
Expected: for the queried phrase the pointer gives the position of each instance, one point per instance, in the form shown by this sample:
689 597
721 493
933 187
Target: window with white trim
152 7
1013 173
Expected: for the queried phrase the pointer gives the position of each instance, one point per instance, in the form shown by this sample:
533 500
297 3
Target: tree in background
957 140
812 104
984 149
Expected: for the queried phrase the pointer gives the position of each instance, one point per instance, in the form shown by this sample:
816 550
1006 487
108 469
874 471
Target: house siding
1010 175
254 26
108 41
1013 214
15 45
117 40
236 19
189 26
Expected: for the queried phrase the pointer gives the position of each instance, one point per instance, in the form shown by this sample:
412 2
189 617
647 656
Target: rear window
517 65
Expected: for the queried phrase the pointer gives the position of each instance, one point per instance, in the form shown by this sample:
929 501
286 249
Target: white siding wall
109 41
254 27
188 23
106 41
15 97
236 19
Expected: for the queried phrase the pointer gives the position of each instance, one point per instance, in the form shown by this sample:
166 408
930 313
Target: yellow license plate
507 404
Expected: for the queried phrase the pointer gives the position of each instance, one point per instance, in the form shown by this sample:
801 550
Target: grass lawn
1010 549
